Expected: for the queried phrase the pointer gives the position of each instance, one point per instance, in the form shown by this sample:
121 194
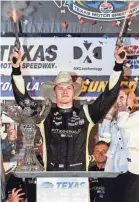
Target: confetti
85 41
118 23
114 23
92 22
68 35
64 24
100 42
63 11
81 21
129 23
129 159
125 78
69 2
129 30
89 99
136 79
105 36
96 55
79 17
135 47
46 50
26 22
87 82
101 196
136 37
96 137
101 28
127 65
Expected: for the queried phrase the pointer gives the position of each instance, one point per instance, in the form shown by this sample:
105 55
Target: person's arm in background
9 143
7 146
15 196
105 128
102 104
18 83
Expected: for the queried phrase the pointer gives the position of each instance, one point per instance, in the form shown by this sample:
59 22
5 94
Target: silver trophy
28 114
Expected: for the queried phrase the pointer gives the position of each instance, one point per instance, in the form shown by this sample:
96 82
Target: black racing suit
66 132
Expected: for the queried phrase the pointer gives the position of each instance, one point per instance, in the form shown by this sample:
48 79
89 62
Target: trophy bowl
28 113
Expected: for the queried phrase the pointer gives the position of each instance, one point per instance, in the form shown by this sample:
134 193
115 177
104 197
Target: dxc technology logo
87 52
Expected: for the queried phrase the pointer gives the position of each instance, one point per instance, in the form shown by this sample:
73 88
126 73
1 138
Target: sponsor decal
85 56
91 158
47 185
66 132
63 185
81 122
57 123
87 52
35 57
64 189
99 10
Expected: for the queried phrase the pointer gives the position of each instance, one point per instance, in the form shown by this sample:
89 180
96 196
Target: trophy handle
9 167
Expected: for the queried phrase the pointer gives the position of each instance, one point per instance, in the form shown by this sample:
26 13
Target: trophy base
31 168
30 162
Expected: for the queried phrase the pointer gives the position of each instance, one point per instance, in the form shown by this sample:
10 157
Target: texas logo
99 10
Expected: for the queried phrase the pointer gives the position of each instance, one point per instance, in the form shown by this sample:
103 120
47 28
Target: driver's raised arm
18 83
103 103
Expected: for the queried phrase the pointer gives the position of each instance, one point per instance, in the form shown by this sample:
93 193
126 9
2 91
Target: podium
88 174
64 186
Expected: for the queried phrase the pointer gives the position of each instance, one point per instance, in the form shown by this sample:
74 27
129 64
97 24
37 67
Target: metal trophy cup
28 113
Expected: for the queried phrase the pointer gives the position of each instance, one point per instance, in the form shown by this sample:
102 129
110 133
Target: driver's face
64 93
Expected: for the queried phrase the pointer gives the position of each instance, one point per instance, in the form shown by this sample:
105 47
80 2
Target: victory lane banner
84 56
92 87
